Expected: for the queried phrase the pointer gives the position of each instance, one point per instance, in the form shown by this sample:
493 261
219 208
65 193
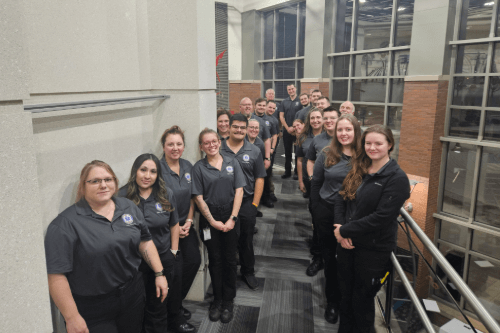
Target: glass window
371 90
339 90
486 244
268 70
394 114
344 26
341 66
267 85
472 58
495 64
468 91
488 195
476 19
397 90
456 260
453 233
300 69
302 28
492 126
286 38
281 91
374 24
268 35
404 23
400 61
494 91
285 69
397 137
369 114
458 181
464 123
371 64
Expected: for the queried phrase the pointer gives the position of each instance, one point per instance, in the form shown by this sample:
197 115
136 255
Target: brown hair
260 100
304 93
172 130
80 192
205 131
222 111
299 121
307 126
361 164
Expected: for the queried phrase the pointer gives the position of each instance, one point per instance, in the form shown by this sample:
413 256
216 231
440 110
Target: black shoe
251 281
185 313
259 214
255 230
286 175
227 312
305 195
331 314
215 311
273 197
315 266
295 177
268 203
182 328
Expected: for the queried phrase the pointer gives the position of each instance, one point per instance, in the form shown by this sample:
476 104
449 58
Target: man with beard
302 114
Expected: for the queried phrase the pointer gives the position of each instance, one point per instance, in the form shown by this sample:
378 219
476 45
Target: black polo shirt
251 162
302 114
319 142
301 152
269 123
275 123
97 256
180 184
157 220
331 177
290 108
217 187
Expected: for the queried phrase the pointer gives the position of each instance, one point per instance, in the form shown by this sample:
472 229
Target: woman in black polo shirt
93 251
177 173
218 190
374 191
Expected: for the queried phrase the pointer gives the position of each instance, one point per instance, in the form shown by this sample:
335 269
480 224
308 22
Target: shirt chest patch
229 169
159 208
296 103
246 158
188 177
127 219
267 122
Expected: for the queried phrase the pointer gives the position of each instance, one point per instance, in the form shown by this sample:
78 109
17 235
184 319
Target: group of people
123 260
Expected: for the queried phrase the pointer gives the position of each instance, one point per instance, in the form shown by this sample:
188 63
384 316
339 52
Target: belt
116 293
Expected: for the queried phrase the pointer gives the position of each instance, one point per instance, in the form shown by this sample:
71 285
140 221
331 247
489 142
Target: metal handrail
488 321
420 309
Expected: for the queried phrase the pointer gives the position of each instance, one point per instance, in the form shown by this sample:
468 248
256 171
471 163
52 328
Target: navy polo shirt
96 255
331 177
319 142
157 220
251 162
301 152
269 123
180 184
302 114
217 187
290 108
264 132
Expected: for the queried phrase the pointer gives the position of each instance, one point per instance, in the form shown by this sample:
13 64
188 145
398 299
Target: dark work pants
266 193
328 246
221 249
359 272
316 249
247 218
288 141
118 312
270 177
191 260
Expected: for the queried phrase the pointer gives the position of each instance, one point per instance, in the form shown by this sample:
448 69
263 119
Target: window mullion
393 31
354 26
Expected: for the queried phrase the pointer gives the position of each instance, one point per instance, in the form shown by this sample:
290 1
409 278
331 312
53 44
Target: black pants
359 272
118 312
288 141
316 248
328 246
191 260
158 315
221 249
247 218
266 193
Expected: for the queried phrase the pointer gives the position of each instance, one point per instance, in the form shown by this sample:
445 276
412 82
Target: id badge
206 234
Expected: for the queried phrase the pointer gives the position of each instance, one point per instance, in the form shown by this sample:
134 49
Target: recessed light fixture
489 3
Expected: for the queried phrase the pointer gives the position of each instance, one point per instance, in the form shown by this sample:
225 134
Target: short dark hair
238 117
222 111
330 109
271 101
323 97
260 100
304 93
316 91
291 84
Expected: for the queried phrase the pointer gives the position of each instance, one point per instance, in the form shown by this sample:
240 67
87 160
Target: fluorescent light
489 3
401 9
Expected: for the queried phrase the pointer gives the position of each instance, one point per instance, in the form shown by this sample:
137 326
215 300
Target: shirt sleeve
299 151
318 178
59 247
266 133
239 176
174 216
311 152
273 128
259 170
281 108
197 184
145 234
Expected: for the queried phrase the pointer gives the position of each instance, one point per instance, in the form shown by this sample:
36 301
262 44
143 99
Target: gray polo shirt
302 114
264 132
319 142
301 152
260 144
96 255
269 123
180 184
331 177
157 220
275 123
290 108
251 162
217 187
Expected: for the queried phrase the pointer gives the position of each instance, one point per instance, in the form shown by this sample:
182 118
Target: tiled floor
287 300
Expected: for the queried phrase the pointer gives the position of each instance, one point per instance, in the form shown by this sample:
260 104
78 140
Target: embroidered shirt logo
159 207
267 122
296 103
127 218
229 169
246 158
188 177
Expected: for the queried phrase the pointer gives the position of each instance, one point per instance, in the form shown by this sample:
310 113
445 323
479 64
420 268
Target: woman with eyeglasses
218 191
93 251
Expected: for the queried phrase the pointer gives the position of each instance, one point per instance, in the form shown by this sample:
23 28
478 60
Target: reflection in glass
457 261
458 181
395 151
495 63
341 66
285 70
369 114
300 69
494 91
404 22
371 64
339 90
472 58
486 244
267 68
344 26
464 123
492 126
394 114
468 91
476 19
400 62
374 24
368 90
483 280
268 35
286 32
267 85
488 195
453 233
397 90
302 28
281 91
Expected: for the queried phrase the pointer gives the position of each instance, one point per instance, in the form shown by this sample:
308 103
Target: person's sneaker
185 313
315 266
251 281
305 195
331 313
227 312
273 197
286 175
259 214
215 310
268 203
182 328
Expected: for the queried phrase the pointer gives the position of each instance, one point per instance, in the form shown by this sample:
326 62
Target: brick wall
238 90
324 87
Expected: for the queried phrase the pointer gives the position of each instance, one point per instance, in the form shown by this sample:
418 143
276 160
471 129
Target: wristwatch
160 273
235 218
310 177
267 158
174 252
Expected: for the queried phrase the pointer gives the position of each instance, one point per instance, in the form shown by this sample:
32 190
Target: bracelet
189 220
253 203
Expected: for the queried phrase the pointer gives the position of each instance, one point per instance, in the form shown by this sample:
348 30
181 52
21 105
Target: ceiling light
362 1
489 3
400 9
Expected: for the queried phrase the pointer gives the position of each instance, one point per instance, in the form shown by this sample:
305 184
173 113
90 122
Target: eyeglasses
210 143
98 181
238 127
253 127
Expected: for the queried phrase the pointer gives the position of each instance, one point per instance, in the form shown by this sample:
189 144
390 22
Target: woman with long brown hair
330 169
373 191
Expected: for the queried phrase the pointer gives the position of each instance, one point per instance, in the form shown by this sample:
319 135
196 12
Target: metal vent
221 54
